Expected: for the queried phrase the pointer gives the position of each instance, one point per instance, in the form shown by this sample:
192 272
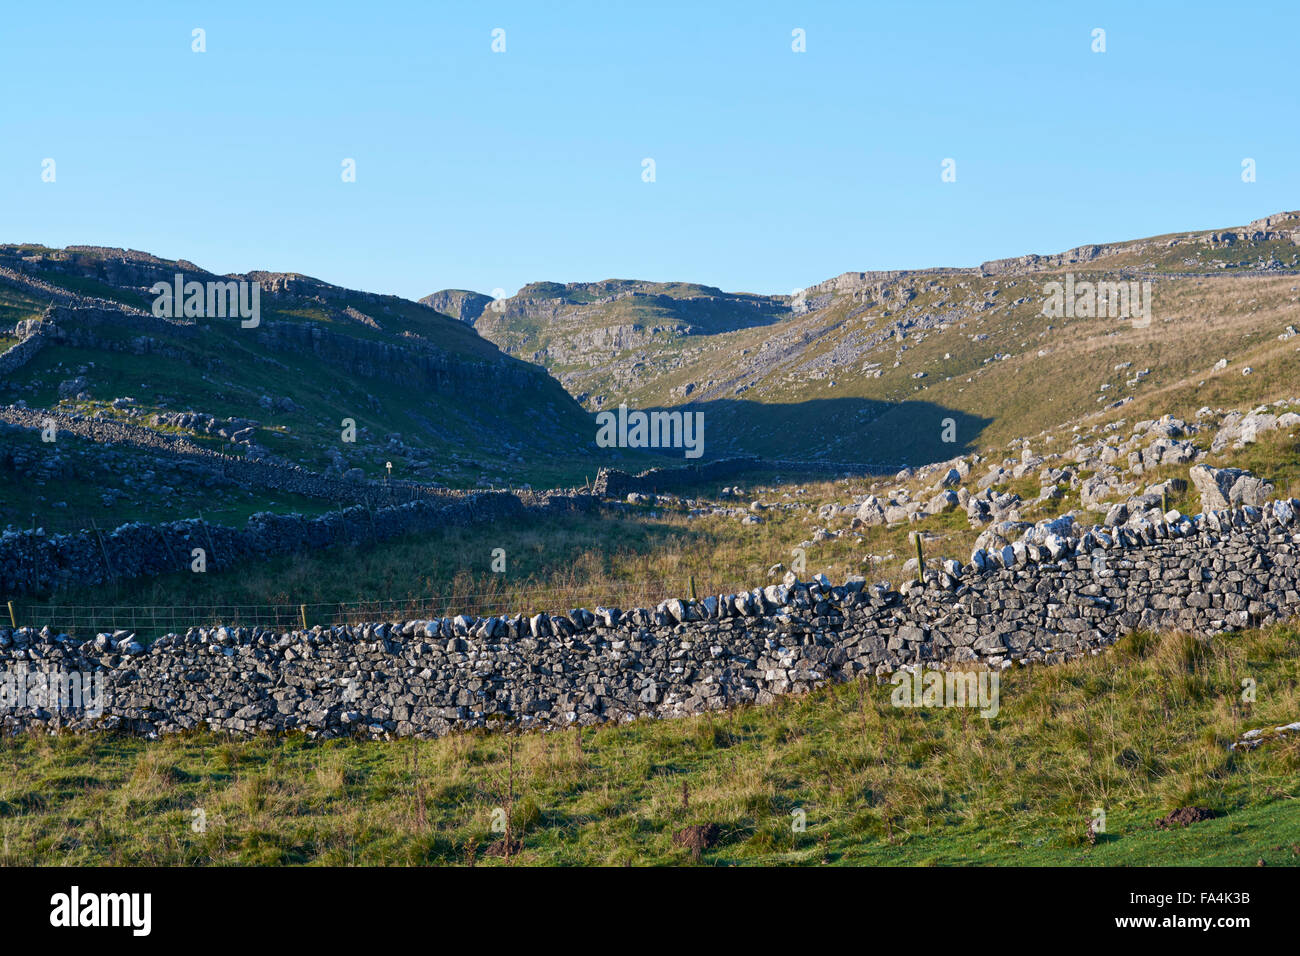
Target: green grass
69 496
1136 732
94 288
552 563
16 306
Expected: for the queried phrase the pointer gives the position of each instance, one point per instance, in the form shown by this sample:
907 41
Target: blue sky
773 169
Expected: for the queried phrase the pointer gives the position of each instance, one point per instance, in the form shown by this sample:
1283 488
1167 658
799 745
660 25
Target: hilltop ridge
878 359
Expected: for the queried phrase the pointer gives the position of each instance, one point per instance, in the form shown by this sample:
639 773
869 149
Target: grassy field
1135 733
632 557
63 489
553 563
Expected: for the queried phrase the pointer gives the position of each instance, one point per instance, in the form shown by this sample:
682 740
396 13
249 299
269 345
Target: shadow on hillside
842 430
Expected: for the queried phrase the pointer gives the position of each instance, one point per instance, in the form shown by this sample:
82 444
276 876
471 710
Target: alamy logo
73 909
922 687
71 692
651 430
1115 300
233 298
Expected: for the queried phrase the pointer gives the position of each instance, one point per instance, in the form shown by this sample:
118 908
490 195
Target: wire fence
155 620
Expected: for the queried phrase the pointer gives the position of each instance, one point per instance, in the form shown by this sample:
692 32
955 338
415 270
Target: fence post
207 536
171 552
920 558
12 620
36 559
302 609
103 549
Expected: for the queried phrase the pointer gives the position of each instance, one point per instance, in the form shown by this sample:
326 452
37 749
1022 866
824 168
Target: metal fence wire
154 620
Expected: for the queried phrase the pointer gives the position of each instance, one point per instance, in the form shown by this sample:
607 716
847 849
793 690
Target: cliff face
594 334
688 308
458 303
412 361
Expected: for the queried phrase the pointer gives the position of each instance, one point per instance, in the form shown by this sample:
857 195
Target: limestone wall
1037 601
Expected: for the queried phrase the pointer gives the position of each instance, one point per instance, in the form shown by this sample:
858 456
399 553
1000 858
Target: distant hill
578 330
869 366
458 303
426 393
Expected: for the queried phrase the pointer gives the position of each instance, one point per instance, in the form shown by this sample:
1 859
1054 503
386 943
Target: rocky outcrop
875 282
412 361
1080 255
458 303
1228 487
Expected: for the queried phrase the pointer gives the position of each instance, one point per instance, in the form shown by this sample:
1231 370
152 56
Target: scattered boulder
1222 488
871 512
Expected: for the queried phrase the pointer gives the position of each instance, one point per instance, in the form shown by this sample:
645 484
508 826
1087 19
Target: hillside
866 367
1143 731
425 393
583 331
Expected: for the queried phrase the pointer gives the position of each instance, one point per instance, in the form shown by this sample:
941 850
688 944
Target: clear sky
773 169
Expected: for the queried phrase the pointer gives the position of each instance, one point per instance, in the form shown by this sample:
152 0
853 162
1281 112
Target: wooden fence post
103 549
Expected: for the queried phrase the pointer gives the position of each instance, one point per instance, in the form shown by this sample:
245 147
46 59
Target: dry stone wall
33 562
267 475
612 483
31 339
1048 599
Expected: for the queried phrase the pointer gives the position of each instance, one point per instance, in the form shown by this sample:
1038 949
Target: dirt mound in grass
1185 816
697 839
505 849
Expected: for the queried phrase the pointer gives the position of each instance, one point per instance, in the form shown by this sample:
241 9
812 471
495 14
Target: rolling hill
409 386
884 366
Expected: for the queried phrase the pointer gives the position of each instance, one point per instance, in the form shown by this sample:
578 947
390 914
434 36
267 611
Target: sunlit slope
881 367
